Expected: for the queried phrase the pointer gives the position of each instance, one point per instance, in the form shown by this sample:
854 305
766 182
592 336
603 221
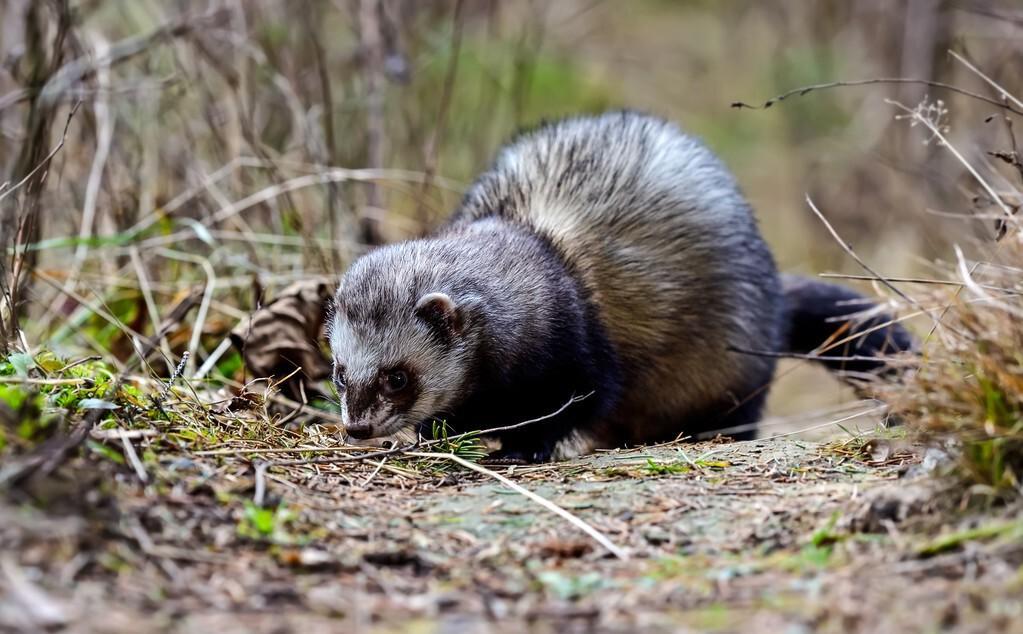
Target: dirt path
755 536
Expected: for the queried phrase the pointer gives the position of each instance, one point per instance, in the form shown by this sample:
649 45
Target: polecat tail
820 315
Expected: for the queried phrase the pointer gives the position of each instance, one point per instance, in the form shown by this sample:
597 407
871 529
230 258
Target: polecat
609 257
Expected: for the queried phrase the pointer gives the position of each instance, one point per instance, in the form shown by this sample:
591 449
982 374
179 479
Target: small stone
656 535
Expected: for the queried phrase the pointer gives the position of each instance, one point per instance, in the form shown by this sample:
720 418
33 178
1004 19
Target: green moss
669 468
666 468
14 395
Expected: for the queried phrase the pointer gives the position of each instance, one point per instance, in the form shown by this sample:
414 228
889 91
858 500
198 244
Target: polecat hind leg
819 313
573 444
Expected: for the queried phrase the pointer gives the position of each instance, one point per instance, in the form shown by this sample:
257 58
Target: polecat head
401 347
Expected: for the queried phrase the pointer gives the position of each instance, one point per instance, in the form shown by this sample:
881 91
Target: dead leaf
883 450
565 548
284 336
879 449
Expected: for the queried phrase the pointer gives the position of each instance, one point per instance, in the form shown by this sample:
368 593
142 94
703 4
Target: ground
769 535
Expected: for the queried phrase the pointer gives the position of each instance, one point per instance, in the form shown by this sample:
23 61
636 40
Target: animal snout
360 431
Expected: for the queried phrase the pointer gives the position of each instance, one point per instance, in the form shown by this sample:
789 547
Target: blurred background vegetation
202 137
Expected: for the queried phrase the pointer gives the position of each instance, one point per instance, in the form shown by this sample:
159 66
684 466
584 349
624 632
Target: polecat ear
440 312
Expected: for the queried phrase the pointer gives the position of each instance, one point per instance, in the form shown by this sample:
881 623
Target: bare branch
597 536
880 80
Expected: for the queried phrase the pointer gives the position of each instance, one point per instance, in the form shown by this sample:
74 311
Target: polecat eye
395 381
339 376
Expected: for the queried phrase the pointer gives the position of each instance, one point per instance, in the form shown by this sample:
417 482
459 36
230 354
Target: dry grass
968 386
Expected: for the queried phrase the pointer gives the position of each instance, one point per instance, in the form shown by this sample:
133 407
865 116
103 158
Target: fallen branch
597 536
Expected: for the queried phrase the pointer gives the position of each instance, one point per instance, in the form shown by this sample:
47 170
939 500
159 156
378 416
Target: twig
46 161
75 364
335 175
31 381
367 481
692 463
204 305
914 280
130 434
279 189
808 357
211 361
11 98
259 496
133 458
350 448
320 413
983 183
876 410
859 334
120 325
1005 94
842 409
497 430
145 287
979 8
970 283
544 502
848 249
880 80
933 129
275 450
293 414
41 611
366 456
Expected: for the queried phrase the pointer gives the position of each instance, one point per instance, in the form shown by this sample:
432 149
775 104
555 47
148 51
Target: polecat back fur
610 258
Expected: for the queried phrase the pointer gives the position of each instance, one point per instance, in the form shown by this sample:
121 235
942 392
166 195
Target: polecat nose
360 431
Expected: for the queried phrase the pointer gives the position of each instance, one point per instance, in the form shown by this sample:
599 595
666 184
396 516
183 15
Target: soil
767 536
